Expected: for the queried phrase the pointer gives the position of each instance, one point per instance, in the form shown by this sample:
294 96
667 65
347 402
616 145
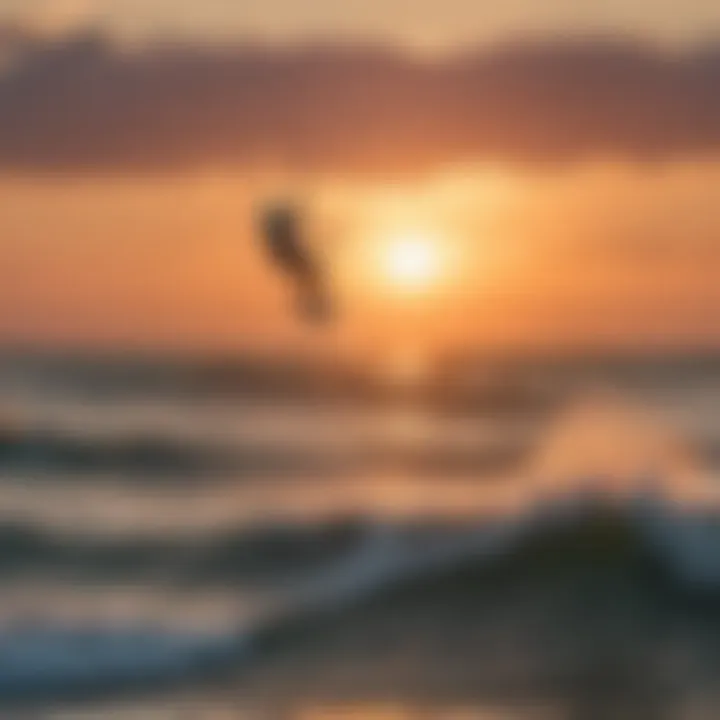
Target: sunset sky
434 24
532 174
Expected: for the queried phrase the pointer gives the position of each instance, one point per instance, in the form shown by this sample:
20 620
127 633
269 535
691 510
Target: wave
243 555
166 460
148 458
38 665
574 533
450 387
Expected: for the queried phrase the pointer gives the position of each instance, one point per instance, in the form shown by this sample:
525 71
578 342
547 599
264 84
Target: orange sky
118 229
596 254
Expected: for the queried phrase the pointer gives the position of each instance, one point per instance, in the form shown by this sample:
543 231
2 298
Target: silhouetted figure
282 232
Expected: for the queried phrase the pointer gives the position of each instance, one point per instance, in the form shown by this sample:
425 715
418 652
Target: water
530 539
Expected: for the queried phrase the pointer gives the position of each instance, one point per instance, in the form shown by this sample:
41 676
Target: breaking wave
681 544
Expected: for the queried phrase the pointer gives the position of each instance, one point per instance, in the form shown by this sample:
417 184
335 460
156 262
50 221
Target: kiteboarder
283 235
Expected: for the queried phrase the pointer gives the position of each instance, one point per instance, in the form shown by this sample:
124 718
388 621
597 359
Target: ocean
502 538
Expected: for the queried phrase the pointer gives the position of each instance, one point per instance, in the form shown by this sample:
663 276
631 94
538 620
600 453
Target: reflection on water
349 711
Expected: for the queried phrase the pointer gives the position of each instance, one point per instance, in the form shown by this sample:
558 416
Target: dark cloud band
81 104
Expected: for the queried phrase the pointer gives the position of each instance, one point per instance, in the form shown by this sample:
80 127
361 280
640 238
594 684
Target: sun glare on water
405 368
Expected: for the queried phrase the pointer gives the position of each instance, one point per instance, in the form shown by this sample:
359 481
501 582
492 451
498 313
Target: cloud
82 104
56 17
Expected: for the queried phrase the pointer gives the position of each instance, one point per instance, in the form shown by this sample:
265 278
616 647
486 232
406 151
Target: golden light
405 368
412 261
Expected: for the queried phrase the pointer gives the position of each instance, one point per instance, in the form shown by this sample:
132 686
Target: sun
412 261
